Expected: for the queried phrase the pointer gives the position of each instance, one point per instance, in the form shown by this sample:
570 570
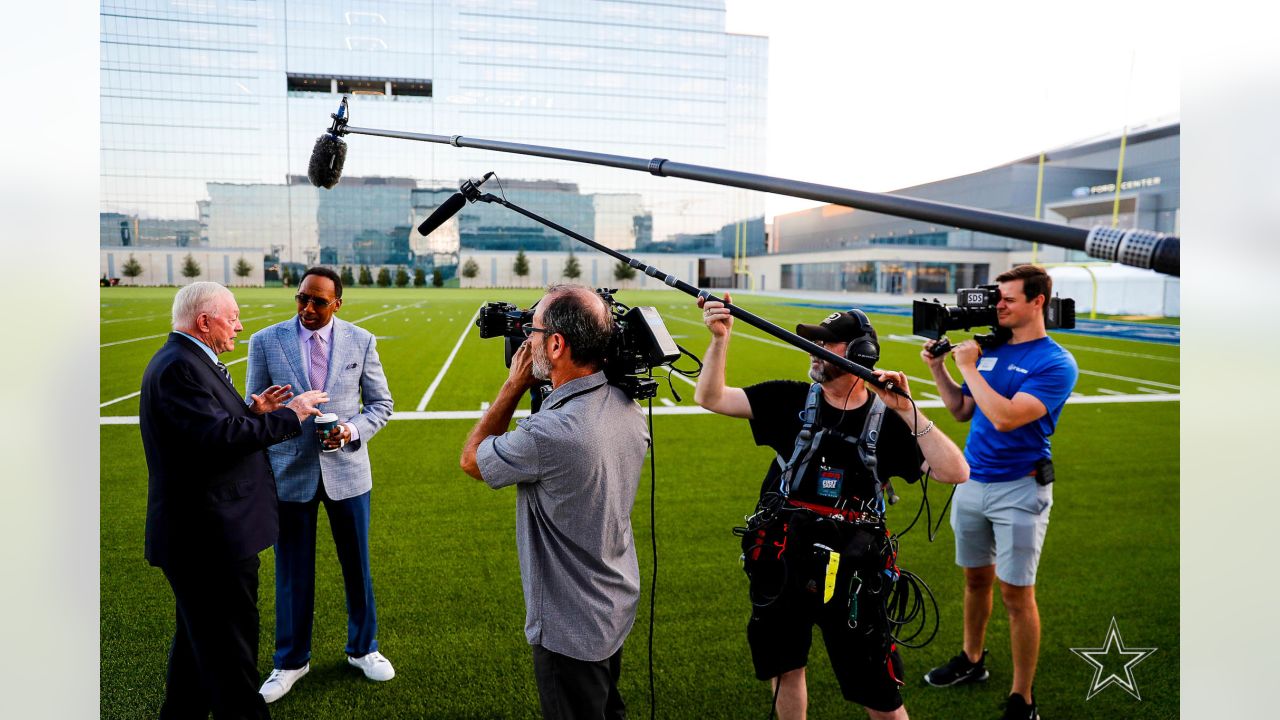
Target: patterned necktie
319 362
226 373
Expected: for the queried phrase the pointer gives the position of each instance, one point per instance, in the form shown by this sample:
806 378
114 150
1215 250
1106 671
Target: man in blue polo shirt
1014 395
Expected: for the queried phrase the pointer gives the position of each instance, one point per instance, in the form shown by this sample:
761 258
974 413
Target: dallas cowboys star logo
1097 656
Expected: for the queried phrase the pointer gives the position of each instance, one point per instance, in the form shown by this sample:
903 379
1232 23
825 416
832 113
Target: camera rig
639 343
976 307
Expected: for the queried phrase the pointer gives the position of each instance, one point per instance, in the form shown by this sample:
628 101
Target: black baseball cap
837 327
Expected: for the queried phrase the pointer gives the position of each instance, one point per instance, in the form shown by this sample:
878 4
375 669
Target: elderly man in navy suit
318 351
211 502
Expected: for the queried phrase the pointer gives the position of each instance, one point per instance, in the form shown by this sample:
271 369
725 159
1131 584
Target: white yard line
165 334
743 335
131 319
136 393
678 376
133 340
1137 381
905 339
397 308
122 398
1122 353
918 341
1150 390
694 410
667 402
131 395
431 390
1109 391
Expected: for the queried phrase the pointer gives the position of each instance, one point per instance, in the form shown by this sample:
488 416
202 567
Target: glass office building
210 110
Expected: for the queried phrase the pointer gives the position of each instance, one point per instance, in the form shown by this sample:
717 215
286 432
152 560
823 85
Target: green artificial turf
450 609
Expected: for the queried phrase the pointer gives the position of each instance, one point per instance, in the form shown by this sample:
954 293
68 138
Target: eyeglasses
319 303
529 330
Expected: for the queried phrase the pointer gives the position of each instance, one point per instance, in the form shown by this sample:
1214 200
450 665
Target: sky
879 96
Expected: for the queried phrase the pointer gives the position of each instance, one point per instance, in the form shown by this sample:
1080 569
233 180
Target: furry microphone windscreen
326 161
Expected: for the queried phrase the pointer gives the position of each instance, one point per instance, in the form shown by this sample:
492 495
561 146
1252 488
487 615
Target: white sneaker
280 682
374 665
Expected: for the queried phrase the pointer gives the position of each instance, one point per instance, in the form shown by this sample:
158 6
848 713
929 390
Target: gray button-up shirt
576 465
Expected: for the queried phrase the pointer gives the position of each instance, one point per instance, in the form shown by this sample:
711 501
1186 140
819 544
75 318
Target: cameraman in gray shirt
576 466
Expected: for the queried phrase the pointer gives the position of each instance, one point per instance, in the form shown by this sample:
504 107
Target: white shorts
1002 524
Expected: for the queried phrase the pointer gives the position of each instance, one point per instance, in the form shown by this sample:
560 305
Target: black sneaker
958 670
1015 708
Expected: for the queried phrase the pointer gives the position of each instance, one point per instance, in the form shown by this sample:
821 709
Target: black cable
907 611
653 536
773 708
943 514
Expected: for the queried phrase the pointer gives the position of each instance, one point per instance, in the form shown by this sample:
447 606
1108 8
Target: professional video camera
640 341
975 307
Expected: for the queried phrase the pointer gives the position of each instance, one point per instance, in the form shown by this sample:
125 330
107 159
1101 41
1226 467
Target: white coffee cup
324 425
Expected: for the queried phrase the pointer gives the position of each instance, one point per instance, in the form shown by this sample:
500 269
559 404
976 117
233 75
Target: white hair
196 298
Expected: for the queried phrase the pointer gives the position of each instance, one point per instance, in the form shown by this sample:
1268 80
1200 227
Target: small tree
366 277
384 277
437 278
348 279
521 266
243 268
572 269
402 277
132 268
190 268
623 272
470 268
419 277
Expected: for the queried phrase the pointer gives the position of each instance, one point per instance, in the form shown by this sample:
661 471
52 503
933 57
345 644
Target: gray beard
541 367
825 373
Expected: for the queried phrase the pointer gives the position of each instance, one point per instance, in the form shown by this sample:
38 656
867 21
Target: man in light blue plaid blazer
317 350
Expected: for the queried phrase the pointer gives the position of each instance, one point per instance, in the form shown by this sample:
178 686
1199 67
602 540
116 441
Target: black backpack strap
806 441
867 444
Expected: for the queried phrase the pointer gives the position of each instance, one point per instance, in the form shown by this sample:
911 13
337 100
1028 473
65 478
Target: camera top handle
753 320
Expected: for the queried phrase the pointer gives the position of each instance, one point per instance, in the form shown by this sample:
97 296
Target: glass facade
210 110
487 226
896 277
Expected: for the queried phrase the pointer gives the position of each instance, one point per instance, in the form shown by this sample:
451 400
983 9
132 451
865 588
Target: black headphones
864 349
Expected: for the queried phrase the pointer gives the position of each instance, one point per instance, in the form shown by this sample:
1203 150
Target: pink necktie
319 363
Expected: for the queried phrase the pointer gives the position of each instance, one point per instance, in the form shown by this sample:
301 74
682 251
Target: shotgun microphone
470 190
329 152
447 209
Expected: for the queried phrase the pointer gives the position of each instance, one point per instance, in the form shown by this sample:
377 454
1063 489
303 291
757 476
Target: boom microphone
326 161
447 209
468 191
1138 248
329 152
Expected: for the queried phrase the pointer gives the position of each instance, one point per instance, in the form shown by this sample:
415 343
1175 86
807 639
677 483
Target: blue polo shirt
1041 368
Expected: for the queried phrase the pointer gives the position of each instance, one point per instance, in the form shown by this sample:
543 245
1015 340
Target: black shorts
866 666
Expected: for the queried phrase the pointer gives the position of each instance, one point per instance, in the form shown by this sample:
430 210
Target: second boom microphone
450 207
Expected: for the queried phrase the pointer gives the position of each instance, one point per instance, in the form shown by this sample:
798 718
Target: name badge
829 481
987 363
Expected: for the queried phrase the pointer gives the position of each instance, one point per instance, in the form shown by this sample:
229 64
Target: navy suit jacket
210 495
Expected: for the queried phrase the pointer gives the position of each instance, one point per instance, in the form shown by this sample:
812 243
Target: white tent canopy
1121 290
